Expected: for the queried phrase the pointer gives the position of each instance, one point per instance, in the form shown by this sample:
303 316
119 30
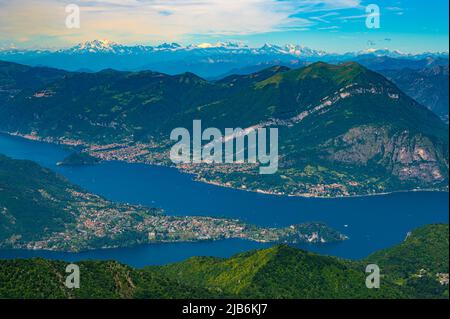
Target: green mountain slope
344 130
108 106
15 77
284 272
278 272
418 262
32 201
424 248
40 209
39 278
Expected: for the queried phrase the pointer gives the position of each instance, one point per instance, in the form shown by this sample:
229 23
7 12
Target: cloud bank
134 21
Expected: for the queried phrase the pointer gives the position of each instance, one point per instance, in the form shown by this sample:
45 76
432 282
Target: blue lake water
372 223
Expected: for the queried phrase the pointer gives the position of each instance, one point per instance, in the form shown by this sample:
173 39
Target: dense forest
416 268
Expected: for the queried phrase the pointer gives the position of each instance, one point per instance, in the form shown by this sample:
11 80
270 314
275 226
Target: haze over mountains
344 130
206 60
428 86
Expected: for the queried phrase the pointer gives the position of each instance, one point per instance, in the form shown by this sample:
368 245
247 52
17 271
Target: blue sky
330 25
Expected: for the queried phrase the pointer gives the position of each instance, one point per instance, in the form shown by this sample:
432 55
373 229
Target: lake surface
372 223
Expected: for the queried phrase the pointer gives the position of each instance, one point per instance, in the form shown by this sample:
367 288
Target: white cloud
144 20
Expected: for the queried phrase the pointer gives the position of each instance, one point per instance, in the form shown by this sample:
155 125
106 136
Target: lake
371 222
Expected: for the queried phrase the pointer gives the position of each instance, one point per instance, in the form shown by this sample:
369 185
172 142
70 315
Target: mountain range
206 60
222 59
428 86
416 268
106 46
344 130
425 80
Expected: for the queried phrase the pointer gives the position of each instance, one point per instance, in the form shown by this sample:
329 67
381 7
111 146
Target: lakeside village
158 153
100 223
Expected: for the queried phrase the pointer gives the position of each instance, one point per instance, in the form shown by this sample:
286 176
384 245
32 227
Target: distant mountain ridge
206 59
429 86
106 46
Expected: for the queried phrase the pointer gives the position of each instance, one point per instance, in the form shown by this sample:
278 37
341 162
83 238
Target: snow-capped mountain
204 59
382 52
294 50
95 47
302 51
218 45
104 47
109 47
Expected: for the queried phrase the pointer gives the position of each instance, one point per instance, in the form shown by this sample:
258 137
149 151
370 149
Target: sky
339 26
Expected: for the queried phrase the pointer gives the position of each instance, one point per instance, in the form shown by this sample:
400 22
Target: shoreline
425 190
36 138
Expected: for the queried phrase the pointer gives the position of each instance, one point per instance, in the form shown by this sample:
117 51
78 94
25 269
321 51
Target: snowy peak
302 51
223 50
290 49
105 47
383 52
268 48
96 46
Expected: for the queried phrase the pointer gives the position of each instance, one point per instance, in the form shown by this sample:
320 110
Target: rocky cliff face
408 156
